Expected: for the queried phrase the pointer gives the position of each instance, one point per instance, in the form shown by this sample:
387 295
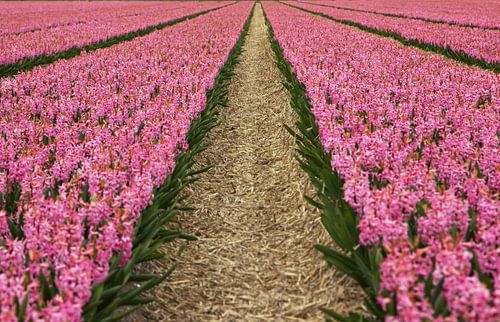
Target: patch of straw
255 259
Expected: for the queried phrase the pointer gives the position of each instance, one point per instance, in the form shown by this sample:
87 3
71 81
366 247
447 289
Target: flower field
106 168
25 17
84 143
50 36
479 43
464 13
414 138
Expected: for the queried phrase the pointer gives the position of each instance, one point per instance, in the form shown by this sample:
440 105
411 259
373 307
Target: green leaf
313 202
437 291
341 262
120 316
142 277
21 309
139 301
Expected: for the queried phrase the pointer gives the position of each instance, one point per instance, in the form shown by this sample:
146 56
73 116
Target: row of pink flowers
94 26
411 133
475 42
484 13
26 16
105 129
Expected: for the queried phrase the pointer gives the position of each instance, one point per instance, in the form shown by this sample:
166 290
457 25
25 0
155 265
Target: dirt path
254 259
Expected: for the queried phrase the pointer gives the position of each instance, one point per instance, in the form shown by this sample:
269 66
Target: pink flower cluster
51 36
414 135
87 140
448 260
475 42
465 12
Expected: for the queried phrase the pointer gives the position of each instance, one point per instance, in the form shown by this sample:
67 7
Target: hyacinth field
250 161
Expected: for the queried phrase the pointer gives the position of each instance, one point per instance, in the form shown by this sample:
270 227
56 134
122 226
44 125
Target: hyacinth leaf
11 197
95 300
163 238
22 308
200 171
185 208
428 285
120 316
391 307
111 292
472 227
313 202
150 256
339 235
139 301
341 262
48 289
291 132
115 261
412 228
339 227
165 199
308 170
115 276
333 183
372 306
437 291
142 277
129 295
311 173
440 307
167 234
437 300
369 281
110 306
150 219
314 164
146 233
187 237
372 268
349 221
15 230
485 278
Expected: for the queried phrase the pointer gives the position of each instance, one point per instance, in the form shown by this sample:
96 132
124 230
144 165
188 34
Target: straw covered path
254 259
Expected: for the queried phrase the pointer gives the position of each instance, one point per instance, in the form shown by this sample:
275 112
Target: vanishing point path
254 259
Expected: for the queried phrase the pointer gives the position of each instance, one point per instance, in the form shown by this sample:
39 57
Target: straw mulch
255 258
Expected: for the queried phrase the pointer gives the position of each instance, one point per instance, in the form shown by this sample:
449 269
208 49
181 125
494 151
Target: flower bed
461 12
474 42
23 17
413 142
99 25
87 141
